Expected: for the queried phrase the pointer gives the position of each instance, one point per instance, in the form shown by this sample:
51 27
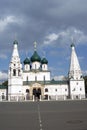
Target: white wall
15 86
39 76
77 87
56 89
36 65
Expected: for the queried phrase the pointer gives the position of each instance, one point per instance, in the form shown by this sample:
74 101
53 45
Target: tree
5 83
85 78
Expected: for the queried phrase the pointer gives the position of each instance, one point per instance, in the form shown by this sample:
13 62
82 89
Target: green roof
27 61
52 82
44 61
35 57
3 87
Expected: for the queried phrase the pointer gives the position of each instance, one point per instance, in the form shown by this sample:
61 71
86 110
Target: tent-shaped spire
15 49
75 70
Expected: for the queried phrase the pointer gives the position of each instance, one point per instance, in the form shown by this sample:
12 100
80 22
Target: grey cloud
41 18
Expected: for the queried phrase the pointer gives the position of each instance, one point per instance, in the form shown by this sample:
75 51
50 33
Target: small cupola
26 64
26 61
44 61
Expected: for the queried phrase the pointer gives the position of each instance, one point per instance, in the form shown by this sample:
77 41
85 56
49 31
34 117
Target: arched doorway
36 93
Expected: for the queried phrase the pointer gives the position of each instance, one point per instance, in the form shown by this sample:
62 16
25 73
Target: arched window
14 72
35 78
46 89
44 77
35 66
27 78
65 89
18 72
44 66
55 90
27 67
80 89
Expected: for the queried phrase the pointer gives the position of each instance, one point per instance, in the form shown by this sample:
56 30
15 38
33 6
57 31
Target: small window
14 72
44 66
56 90
3 96
35 78
77 83
80 89
65 89
35 66
46 89
18 72
27 78
44 78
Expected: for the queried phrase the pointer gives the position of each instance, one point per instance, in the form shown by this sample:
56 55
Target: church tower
15 74
76 81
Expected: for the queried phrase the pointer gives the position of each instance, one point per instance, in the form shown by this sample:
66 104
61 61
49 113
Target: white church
32 81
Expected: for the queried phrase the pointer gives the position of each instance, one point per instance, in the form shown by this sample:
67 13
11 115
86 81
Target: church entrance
36 93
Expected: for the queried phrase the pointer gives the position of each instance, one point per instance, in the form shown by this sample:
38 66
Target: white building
34 81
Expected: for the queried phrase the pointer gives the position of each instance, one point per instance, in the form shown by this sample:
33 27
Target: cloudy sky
52 24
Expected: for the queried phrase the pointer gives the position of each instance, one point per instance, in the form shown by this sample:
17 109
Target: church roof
35 57
51 82
15 42
27 61
75 70
44 61
3 87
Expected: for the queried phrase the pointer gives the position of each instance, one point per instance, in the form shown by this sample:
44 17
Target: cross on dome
35 46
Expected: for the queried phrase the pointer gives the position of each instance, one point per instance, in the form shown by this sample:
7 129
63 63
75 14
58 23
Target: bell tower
15 73
76 81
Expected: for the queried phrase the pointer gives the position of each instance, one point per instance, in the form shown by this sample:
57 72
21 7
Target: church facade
32 80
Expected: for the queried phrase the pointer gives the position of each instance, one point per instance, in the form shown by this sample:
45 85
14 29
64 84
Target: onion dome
26 61
15 42
44 61
35 57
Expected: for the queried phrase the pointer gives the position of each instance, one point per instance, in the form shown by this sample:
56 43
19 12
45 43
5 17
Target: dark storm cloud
35 19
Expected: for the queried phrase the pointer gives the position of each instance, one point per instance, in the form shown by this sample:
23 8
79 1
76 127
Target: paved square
52 115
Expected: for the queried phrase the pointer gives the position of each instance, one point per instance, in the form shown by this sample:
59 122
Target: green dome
26 61
15 42
35 57
44 61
